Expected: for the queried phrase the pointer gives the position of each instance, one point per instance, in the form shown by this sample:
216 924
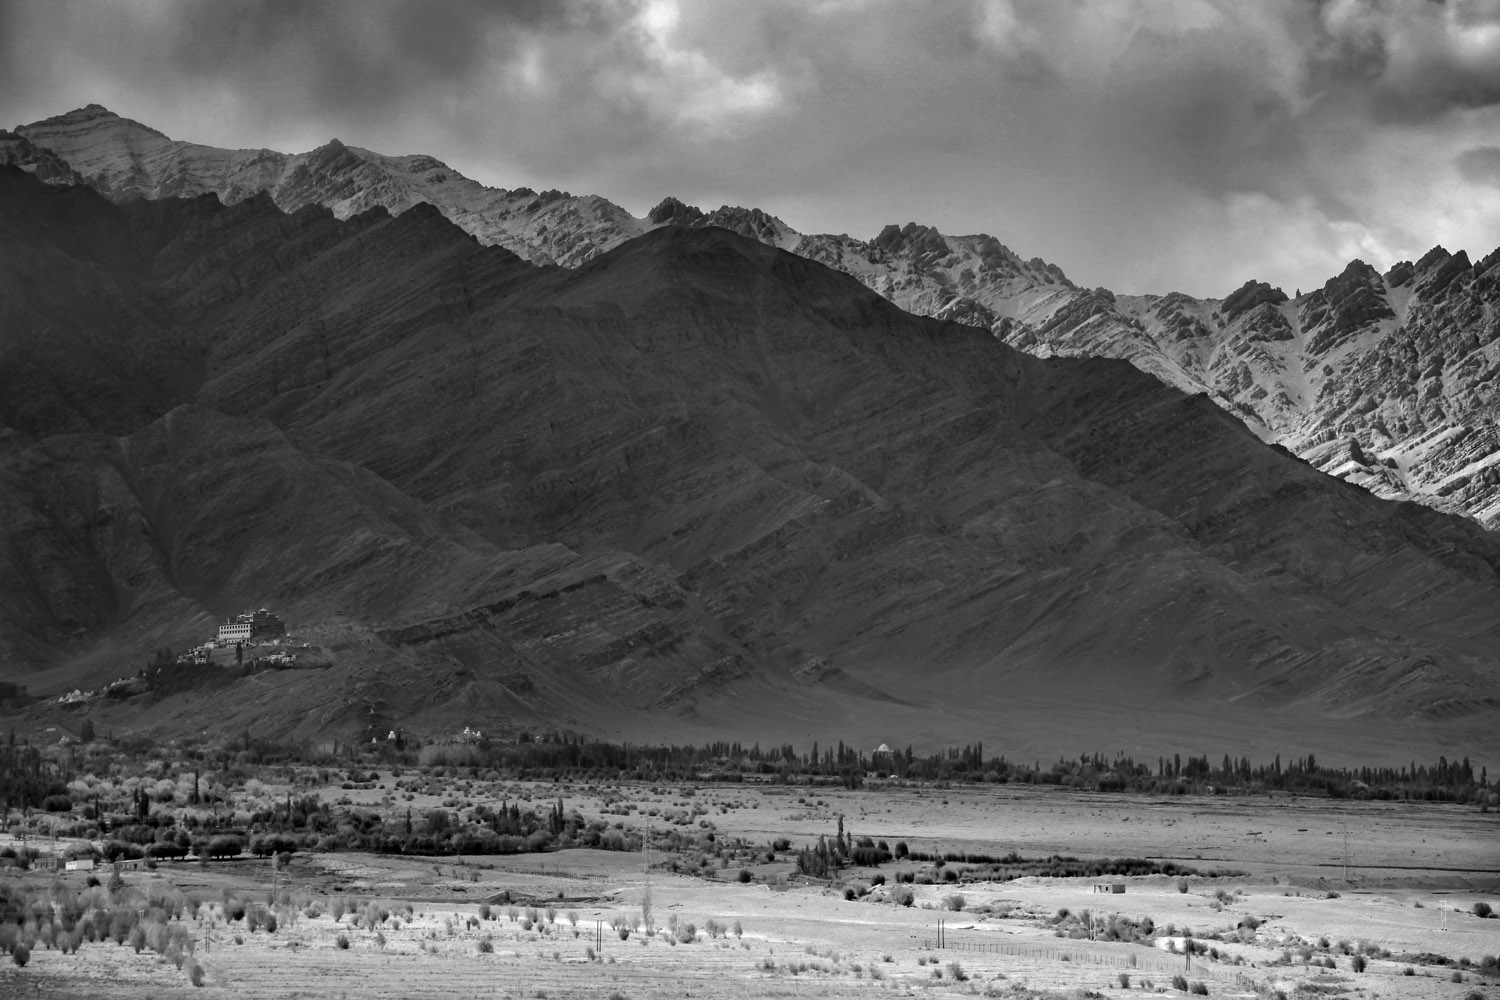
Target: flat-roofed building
251 625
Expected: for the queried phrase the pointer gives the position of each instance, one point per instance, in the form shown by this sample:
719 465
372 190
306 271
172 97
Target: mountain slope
1384 380
694 473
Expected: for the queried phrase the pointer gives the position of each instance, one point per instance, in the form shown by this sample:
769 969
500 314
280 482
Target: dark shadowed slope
696 475
1385 380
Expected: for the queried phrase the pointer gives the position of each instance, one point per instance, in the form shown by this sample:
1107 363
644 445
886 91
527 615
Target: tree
86 731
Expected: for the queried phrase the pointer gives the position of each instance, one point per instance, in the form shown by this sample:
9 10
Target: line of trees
570 754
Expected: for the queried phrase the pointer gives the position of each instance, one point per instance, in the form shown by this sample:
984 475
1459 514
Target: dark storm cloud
1143 145
1411 61
358 55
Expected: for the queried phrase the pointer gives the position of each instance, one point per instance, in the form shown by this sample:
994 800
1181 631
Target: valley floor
1415 872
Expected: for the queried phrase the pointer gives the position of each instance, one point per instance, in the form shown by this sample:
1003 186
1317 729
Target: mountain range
1386 379
695 484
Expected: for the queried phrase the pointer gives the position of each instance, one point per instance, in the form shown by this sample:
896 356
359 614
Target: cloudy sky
1146 146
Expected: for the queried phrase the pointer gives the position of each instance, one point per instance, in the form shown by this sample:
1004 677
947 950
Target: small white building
80 865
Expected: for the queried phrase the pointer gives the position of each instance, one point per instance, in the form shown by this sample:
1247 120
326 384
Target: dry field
1415 872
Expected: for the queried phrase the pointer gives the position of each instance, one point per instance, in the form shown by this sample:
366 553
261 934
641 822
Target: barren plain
1290 891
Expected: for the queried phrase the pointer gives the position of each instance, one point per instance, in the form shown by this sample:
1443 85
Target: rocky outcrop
1248 296
18 151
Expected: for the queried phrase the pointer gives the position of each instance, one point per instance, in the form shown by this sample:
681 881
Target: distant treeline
308 823
570 754
827 856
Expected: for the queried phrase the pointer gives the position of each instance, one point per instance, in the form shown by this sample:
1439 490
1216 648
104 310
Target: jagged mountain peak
1436 257
1249 295
672 210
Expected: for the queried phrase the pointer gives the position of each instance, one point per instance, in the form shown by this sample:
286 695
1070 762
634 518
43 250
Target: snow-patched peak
754 223
90 116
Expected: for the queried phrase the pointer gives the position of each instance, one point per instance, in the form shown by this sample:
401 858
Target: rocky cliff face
696 474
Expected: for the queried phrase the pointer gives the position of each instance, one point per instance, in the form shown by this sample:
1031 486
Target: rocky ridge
695 475
1383 380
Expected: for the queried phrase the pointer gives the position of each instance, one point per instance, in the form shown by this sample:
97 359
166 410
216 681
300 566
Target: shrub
745 875
486 946
1182 885
484 911
194 972
342 941
1457 977
954 901
1179 982
957 972
1358 963
1200 988
903 896
20 954
1408 971
1483 910
1124 980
